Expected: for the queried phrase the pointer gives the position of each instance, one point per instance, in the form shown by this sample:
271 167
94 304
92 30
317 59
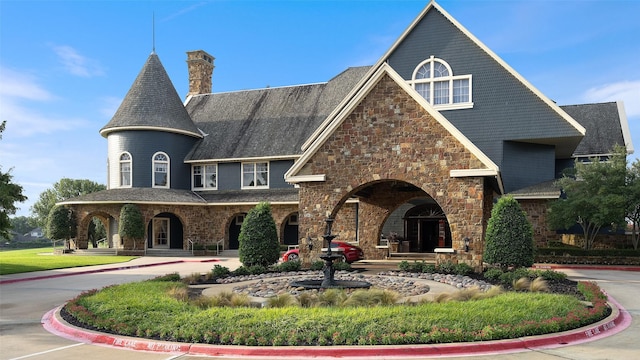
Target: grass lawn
151 309
28 260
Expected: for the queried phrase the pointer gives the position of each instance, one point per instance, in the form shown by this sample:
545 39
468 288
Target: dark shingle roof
546 190
602 122
265 122
289 195
172 196
152 101
139 195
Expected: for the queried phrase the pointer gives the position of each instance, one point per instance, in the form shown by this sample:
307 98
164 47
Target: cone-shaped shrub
509 239
258 238
131 223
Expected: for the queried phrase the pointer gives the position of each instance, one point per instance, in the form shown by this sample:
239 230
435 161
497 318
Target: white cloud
627 91
20 97
77 64
21 85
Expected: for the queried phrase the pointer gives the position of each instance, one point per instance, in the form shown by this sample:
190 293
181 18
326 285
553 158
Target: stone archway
385 136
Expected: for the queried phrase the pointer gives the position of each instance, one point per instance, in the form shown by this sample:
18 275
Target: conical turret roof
152 103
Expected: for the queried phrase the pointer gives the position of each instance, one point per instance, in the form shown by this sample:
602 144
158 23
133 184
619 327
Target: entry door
161 233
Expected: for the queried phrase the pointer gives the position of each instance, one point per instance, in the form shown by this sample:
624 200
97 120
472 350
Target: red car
350 253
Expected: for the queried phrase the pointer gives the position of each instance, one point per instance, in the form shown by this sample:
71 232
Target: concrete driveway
24 302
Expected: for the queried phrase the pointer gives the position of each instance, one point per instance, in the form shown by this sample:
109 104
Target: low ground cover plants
162 309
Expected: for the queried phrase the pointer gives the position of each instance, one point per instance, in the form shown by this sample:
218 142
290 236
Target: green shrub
341 265
417 267
462 269
446 267
131 224
241 271
404 265
61 224
220 271
509 237
288 266
257 269
317 265
168 277
258 237
493 273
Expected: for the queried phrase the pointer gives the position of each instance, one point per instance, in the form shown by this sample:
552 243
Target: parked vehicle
350 253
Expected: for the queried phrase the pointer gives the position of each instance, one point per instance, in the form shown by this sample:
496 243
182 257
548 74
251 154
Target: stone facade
205 225
390 140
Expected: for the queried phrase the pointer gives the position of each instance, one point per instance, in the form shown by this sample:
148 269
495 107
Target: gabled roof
541 120
606 125
152 103
264 123
338 116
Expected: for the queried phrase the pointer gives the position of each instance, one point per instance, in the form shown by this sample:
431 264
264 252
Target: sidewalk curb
619 320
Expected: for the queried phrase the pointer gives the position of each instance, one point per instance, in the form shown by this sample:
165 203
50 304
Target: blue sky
65 66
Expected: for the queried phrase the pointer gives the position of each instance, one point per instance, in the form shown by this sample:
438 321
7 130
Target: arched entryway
426 228
165 231
234 230
290 230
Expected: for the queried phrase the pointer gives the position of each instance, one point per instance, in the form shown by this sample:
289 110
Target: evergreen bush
131 223
61 224
509 237
258 238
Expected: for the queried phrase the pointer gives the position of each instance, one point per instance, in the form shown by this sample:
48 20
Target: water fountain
328 281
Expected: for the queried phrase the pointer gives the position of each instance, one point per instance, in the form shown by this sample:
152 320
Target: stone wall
205 225
390 138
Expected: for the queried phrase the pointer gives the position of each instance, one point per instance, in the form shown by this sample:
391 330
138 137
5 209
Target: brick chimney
200 66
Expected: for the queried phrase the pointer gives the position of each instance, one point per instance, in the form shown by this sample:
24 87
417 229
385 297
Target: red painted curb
11 281
618 321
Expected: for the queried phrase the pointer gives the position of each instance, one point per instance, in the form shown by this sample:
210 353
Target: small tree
131 224
10 194
509 238
258 238
594 197
633 201
61 225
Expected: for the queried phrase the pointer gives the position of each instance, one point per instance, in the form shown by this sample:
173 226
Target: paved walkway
618 321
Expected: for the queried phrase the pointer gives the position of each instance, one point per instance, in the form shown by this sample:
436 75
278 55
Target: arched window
160 170
125 169
434 80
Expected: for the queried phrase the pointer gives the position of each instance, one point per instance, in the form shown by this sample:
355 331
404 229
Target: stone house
419 144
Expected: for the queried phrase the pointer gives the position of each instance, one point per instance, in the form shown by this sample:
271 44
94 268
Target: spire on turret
152 103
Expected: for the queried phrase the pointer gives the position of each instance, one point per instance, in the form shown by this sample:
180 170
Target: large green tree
594 196
62 190
258 238
10 194
633 200
61 225
509 236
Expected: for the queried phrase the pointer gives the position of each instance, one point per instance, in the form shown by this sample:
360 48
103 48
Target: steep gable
410 132
505 106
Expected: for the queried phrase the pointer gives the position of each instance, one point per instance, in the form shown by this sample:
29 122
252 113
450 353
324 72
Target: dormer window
434 80
160 170
255 175
125 169
205 177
